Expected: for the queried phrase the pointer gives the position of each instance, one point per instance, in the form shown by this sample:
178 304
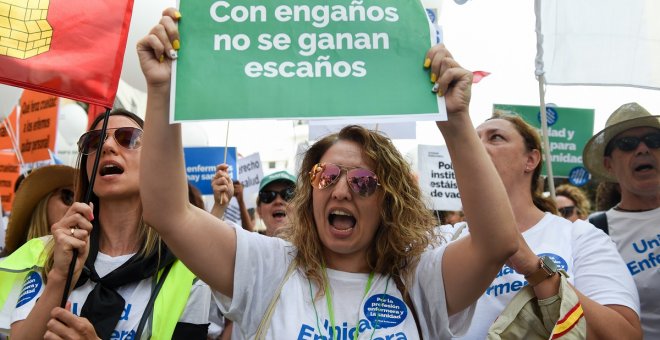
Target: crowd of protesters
350 250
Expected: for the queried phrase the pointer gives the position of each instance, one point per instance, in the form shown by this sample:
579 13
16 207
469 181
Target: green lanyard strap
331 311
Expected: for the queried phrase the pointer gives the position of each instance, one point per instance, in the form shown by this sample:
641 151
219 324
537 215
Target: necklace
618 208
331 312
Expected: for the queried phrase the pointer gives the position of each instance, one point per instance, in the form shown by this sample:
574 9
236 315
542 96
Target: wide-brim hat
626 117
277 176
36 185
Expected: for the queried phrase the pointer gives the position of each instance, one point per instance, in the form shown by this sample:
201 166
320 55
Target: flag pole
87 199
546 141
225 159
539 72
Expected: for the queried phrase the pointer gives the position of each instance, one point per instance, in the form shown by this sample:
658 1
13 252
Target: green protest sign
302 59
569 129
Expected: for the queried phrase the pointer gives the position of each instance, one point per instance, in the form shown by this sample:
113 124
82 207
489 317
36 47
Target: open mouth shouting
279 215
342 222
109 169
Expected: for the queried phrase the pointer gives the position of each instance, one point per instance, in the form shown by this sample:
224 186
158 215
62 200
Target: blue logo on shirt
512 285
31 286
384 311
558 260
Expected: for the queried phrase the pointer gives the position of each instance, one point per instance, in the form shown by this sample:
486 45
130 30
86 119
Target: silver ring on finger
73 231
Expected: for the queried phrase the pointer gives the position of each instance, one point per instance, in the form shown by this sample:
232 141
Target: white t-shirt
135 294
583 251
262 262
637 237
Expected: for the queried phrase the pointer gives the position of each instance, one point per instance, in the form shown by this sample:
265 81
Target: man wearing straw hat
627 151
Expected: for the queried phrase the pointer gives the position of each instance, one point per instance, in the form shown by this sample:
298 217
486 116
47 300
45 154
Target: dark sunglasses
567 212
630 143
66 195
267 196
128 137
362 181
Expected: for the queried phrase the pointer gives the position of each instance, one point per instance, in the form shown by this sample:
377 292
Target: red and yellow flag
569 321
69 48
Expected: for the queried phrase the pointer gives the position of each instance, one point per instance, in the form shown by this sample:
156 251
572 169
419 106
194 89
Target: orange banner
9 172
5 140
37 125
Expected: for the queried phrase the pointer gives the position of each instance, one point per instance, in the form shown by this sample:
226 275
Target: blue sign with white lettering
201 165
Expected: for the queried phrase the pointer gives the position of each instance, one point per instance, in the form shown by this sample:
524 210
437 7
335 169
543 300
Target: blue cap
277 176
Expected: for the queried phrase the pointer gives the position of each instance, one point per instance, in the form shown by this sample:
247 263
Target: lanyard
331 311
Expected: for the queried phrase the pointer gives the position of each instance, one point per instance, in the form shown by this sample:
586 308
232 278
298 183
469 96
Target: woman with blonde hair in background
42 199
572 203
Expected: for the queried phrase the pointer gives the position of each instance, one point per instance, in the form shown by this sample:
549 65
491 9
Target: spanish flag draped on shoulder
69 48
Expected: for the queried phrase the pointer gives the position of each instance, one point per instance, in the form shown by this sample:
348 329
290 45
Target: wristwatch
547 269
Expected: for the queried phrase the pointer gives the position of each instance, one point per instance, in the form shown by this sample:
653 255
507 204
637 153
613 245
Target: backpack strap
264 325
406 298
600 221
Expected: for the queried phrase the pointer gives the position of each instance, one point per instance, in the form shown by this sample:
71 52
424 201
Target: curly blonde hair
406 225
578 197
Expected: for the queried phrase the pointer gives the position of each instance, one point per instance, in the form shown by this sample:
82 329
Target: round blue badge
31 286
551 114
558 260
384 311
578 176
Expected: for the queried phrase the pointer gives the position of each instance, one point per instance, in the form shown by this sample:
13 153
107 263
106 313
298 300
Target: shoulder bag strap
600 221
406 298
265 321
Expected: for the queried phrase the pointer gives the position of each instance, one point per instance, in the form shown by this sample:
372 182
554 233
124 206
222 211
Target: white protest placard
250 173
437 178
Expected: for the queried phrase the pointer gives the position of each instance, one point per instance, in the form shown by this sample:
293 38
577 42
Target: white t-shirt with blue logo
135 294
583 251
262 262
637 237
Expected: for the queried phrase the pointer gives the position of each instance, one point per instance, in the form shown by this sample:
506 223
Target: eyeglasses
362 181
630 143
567 212
66 195
267 196
128 137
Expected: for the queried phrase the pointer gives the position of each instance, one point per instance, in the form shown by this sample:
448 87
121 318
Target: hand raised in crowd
66 325
157 50
69 233
223 187
223 190
238 190
450 80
